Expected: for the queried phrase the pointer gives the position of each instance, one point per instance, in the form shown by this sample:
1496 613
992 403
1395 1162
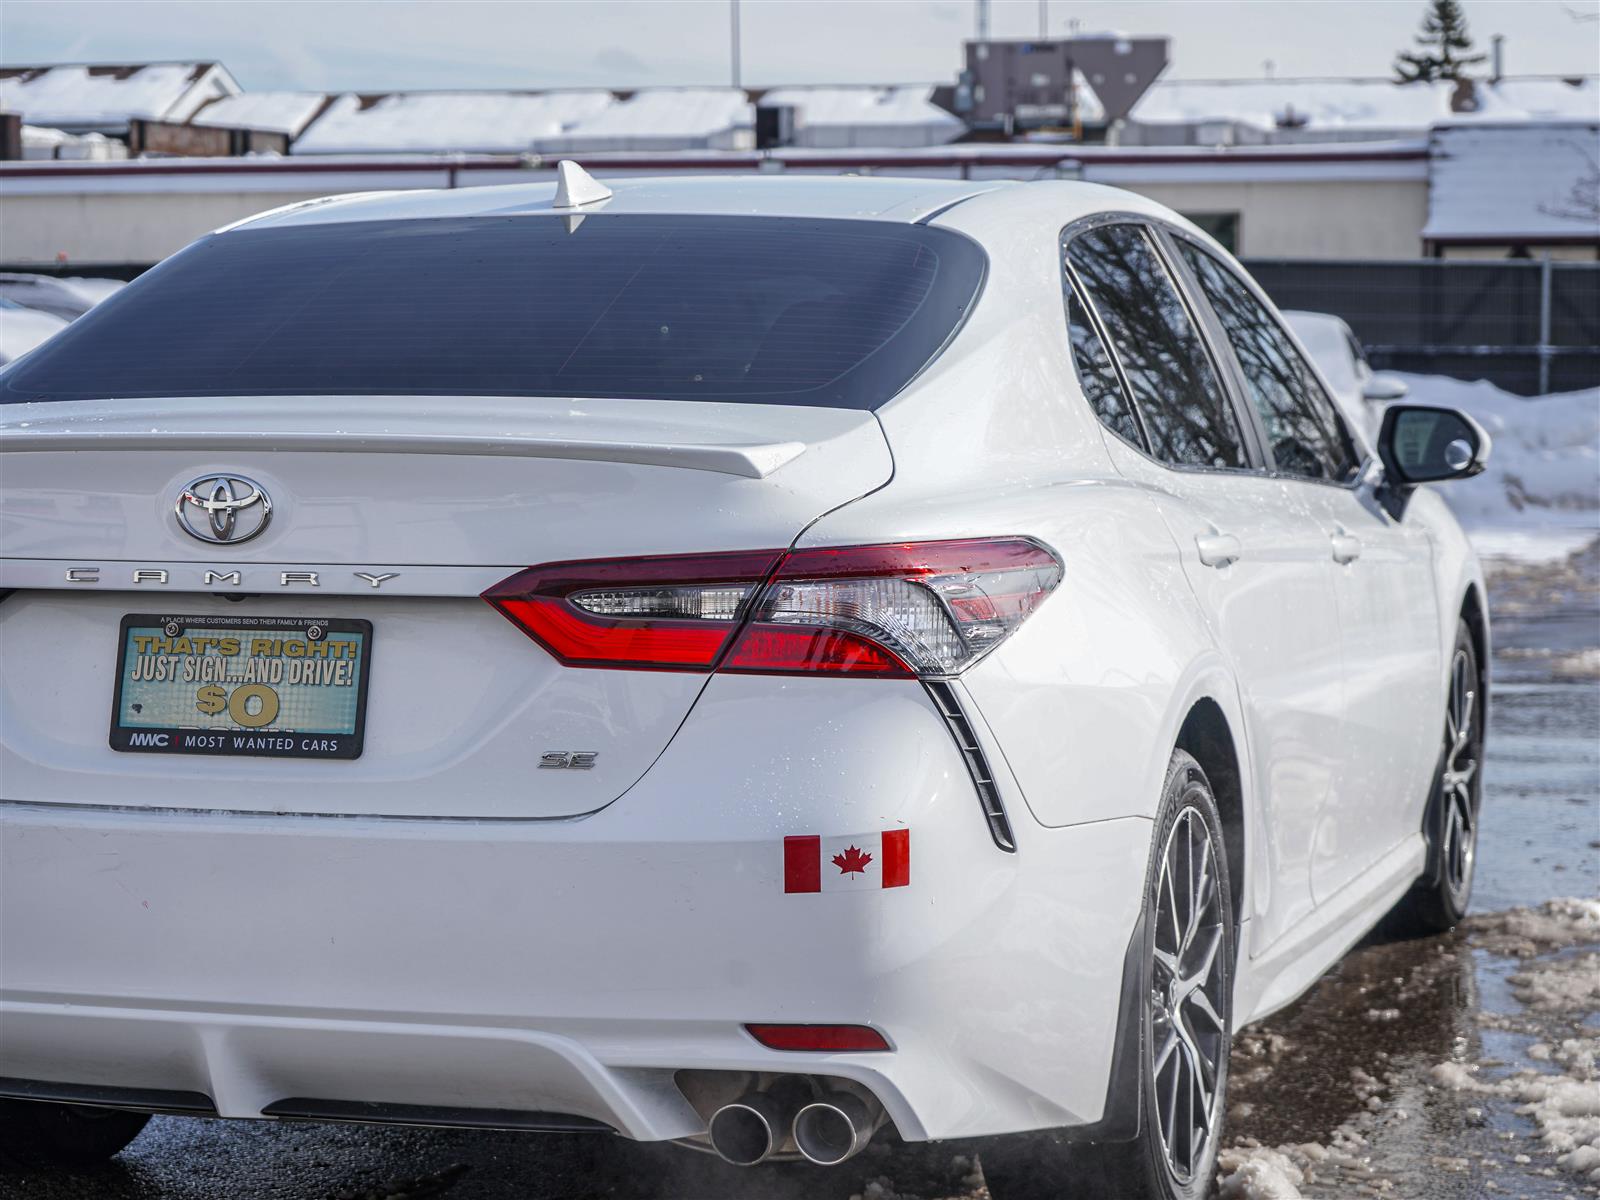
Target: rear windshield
761 309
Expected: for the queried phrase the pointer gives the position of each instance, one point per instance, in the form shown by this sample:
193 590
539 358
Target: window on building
1224 226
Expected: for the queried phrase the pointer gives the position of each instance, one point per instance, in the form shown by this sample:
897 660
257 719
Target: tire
34 1134
1440 898
1050 1165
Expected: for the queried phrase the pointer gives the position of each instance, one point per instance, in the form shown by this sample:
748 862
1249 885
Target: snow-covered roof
1539 99
1352 104
1522 182
832 117
1358 105
279 112
78 98
662 119
473 122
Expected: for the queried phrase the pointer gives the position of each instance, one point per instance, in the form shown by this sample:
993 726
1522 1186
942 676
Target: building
103 99
1526 189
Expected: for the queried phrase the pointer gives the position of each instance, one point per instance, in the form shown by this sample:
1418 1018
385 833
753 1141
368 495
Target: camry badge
223 508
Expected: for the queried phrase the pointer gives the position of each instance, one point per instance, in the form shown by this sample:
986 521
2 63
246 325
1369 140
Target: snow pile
1257 1173
39 141
1544 469
1560 1095
1526 932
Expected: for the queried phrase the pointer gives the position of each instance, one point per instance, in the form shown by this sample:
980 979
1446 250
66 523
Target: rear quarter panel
995 438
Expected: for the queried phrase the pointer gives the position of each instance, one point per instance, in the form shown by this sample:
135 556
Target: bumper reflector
818 1037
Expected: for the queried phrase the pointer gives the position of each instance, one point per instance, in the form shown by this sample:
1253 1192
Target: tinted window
761 309
1097 375
1186 412
1304 430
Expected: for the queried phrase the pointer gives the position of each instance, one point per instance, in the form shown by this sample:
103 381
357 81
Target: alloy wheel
1459 845
1188 1031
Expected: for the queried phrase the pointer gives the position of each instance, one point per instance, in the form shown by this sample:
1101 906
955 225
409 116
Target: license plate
283 687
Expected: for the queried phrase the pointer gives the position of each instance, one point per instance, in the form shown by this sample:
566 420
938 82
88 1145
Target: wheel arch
1207 737
1475 613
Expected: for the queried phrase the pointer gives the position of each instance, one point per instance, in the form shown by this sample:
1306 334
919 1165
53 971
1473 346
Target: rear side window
1187 414
766 310
1303 427
1097 376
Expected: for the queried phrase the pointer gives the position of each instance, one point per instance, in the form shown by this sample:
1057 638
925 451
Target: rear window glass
767 310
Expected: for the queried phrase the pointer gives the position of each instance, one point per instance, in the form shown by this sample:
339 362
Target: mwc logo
148 739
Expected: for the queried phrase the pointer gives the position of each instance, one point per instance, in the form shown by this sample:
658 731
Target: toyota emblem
223 508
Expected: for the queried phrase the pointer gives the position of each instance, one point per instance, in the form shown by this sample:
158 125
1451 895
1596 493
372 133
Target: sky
389 45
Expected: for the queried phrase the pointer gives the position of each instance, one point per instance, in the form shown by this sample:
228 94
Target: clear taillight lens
934 608
895 611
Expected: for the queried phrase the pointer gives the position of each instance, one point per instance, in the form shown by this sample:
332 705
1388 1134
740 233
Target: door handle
1346 547
1218 549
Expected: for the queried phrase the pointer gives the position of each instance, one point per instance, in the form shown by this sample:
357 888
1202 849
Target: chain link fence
1528 327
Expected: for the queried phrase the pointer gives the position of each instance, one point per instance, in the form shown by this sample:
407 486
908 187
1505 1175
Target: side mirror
1383 388
1422 444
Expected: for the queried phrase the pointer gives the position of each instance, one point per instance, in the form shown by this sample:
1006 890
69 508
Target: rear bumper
574 967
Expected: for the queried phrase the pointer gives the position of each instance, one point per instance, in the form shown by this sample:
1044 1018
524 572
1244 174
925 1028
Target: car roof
829 196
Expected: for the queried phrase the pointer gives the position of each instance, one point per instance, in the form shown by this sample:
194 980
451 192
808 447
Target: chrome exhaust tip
748 1131
833 1129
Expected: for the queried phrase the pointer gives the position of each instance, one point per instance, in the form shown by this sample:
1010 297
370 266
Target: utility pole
1044 20
733 15
983 20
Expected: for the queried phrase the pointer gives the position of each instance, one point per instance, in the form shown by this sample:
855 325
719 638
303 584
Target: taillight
896 611
676 613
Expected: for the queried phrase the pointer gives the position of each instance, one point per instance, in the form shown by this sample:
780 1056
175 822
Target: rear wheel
1184 1046
34 1134
1440 899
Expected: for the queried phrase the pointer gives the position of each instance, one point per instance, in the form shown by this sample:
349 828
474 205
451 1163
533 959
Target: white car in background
23 328
743 662
1360 392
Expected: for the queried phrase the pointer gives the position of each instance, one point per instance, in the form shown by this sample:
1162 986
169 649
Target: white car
23 328
741 662
1360 392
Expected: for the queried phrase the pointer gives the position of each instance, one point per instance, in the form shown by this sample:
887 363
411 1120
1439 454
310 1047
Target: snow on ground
1525 1078
1540 497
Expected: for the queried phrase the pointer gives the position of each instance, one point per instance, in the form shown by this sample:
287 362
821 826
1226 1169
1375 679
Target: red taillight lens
895 611
675 613
819 1037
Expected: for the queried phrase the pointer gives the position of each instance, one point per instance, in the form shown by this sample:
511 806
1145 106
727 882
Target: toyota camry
754 663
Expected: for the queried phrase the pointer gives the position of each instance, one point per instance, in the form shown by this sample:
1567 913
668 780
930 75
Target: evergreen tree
1444 43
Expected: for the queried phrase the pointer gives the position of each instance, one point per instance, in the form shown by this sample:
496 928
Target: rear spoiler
754 460
747 440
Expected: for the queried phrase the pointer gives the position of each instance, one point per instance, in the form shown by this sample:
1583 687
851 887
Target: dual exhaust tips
827 1128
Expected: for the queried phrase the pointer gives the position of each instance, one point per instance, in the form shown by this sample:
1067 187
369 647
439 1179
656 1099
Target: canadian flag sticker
863 861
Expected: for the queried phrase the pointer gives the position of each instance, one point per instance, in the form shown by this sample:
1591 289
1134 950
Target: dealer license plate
288 687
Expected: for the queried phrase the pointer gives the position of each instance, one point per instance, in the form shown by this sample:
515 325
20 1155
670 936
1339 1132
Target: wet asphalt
1354 1054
